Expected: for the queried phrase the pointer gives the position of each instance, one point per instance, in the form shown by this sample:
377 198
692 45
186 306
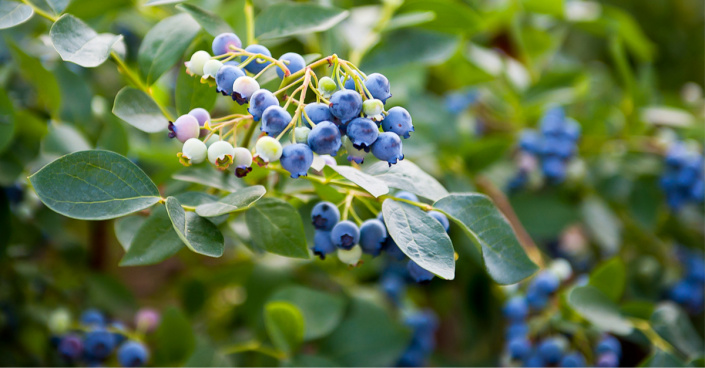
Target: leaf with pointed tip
191 93
164 44
597 308
420 237
238 201
126 228
322 311
154 241
199 234
78 43
285 325
139 110
367 182
13 13
610 278
405 175
276 227
673 324
58 6
288 19
212 23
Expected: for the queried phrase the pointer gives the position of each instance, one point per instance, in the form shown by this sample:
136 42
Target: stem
40 11
348 204
387 12
248 135
250 21
653 336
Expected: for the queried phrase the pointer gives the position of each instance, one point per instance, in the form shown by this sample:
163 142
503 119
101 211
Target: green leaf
660 358
420 237
410 46
602 224
58 6
126 228
7 120
206 354
238 201
199 234
78 43
610 278
14 13
154 241
451 16
552 7
674 326
367 337
321 311
372 185
162 2
405 175
288 19
175 339
209 176
94 185
276 227
212 23
597 308
43 81
165 44
139 110
64 138
504 258
285 325
191 93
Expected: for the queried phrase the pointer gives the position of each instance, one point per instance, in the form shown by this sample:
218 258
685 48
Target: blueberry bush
339 183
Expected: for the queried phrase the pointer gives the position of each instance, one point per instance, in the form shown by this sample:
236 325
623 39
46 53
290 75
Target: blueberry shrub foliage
394 183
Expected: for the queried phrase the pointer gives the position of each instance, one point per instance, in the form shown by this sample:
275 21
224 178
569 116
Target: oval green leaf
504 258
372 185
94 185
175 340
288 19
139 110
212 23
276 227
420 237
411 46
43 81
673 324
597 308
7 120
405 175
165 44
191 93
321 311
610 278
63 138
126 228
154 241
14 13
199 234
209 176
78 43
285 325
238 201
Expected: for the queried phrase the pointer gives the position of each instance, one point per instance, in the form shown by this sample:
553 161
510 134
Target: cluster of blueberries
95 339
682 180
689 290
350 241
355 117
458 101
553 146
424 325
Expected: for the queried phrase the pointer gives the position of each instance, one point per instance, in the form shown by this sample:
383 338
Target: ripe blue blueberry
573 359
345 234
388 147
516 309
372 236
118 329
92 317
554 169
362 132
407 195
346 105
572 130
324 216
349 81
223 41
546 282
531 141
517 329
71 347
296 159
324 138
378 85
417 273
607 360
322 244
293 61
260 101
255 66
553 121
551 349
536 299
392 249
458 101
440 218
609 344
519 347
317 112
132 354
225 78
393 285
274 120
99 343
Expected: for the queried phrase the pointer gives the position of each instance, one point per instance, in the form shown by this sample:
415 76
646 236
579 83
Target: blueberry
407 195
322 244
71 347
518 329
324 216
516 309
293 61
519 347
546 282
531 141
221 154
677 154
349 82
268 148
274 120
534 360
301 134
99 343
393 286
324 138
223 41
296 159
244 88
372 236
696 268
92 317
354 154
607 360
554 169
373 109
59 321
682 291
211 67
197 62
697 190
417 273
412 358
345 234
203 116
242 160
317 112
260 101
132 354
193 152
350 257
225 78
346 105
392 249
440 218
388 148
147 319
609 344
257 65
553 121
184 128
573 359
572 130
551 349
458 101
378 85
536 299
362 132
327 86
424 322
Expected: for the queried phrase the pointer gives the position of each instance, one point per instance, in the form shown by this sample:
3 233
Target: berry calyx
220 154
243 88
324 216
345 234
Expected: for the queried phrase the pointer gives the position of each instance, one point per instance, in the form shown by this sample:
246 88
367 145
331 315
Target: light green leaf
212 23
13 13
58 6
405 175
552 7
199 234
209 176
288 19
175 339
597 308
238 201
7 120
372 185
610 278
276 227
191 93
410 46
165 44
504 258
78 43
602 224
94 185
64 138
154 241
139 110
43 81
162 2
322 312
126 228
285 325
450 16
420 237
671 322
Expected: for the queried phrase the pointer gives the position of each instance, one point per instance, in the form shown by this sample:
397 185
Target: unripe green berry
350 257
373 108
198 61
242 157
301 134
210 69
193 152
214 138
59 321
327 86
269 149
220 154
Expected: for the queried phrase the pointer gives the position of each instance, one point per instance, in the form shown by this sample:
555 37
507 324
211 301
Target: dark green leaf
165 44
238 201
504 258
209 176
420 237
42 80
175 339
126 228
410 46
13 13
610 278
285 325
372 185
287 19
206 354
212 23
7 120
113 137
321 311
450 16
660 358
78 43
191 93
597 308
94 185
63 138
671 322
154 241
276 227
405 175
139 110
199 234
